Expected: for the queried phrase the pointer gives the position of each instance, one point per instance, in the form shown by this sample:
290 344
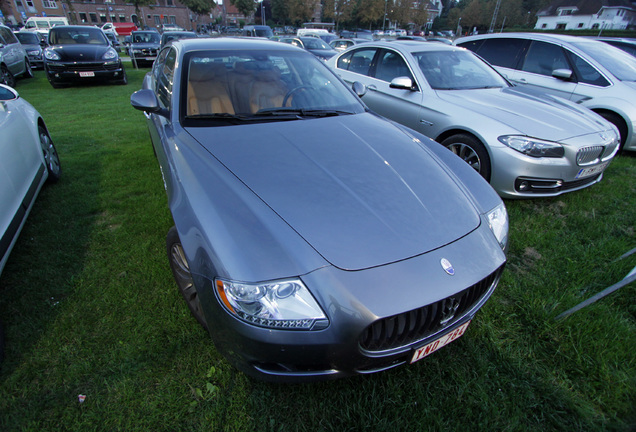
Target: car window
457 70
8 36
256 84
78 35
586 73
390 66
27 38
166 78
619 63
504 52
157 66
358 61
543 58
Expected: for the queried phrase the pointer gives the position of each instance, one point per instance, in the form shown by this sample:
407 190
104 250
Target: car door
376 68
11 55
21 166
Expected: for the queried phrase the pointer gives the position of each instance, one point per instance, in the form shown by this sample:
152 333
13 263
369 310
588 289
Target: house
587 14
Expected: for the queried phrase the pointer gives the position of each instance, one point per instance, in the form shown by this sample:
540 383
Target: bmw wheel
51 157
183 277
472 151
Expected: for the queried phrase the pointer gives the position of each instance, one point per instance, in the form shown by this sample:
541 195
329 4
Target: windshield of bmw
457 70
238 86
618 62
77 35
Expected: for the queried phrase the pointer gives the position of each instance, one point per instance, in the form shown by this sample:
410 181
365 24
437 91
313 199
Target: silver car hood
360 199
553 118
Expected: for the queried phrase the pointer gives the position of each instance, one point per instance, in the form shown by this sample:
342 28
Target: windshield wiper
300 112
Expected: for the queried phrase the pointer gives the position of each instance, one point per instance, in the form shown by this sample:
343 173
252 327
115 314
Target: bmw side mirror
359 88
403 83
562 74
146 100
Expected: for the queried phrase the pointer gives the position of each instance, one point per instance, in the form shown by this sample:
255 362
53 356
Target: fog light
524 185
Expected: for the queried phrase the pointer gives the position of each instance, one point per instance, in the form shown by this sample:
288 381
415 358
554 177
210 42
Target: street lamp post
384 20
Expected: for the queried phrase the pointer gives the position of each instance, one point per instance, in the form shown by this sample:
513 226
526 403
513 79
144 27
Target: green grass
89 307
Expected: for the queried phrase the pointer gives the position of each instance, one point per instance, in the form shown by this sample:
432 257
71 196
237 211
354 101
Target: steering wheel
294 90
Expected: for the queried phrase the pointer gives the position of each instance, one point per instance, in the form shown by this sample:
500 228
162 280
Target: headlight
284 304
110 54
34 53
532 146
498 223
51 55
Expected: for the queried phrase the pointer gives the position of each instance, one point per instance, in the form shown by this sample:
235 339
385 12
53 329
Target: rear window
503 52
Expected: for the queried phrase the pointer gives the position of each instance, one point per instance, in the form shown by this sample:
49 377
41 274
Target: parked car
33 47
588 72
626 44
314 45
28 159
144 47
112 39
313 238
258 31
14 59
170 36
343 44
80 54
525 144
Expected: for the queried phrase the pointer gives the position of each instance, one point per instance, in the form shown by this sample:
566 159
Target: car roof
233 43
522 35
411 45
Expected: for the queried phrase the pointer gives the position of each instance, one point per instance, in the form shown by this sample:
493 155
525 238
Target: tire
617 121
472 151
28 73
181 272
124 79
51 158
6 77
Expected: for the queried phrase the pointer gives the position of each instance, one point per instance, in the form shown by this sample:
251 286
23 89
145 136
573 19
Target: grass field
90 308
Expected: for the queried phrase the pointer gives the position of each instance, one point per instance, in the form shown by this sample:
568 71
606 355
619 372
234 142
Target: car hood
358 189
84 53
552 118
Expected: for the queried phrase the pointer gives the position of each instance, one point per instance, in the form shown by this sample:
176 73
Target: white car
525 143
28 159
591 73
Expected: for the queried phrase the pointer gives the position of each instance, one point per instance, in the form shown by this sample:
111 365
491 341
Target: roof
584 7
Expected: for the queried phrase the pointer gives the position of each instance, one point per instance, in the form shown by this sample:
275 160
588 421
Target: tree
420 14
199 7
338 11
371 11
301 11
246 7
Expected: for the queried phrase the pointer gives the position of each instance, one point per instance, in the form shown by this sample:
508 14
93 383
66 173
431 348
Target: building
98 12
587 14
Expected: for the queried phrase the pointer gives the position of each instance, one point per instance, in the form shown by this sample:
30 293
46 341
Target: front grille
579 183
415 325
83 67
589 155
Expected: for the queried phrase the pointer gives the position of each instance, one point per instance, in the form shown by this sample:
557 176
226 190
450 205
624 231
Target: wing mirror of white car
359 88
146 100
7 93
403 83
562 74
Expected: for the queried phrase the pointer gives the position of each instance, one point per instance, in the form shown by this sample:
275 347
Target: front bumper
83 71
515 175
360 305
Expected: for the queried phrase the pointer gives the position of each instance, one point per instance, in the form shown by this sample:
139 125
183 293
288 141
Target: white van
42 25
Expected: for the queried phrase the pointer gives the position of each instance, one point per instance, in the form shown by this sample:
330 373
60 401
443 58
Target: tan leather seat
208 89
267 90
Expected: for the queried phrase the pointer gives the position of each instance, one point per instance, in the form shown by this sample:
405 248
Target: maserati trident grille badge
447 266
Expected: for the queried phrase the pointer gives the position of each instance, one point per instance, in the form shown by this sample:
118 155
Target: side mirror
403 83
562 74
146 100
359 88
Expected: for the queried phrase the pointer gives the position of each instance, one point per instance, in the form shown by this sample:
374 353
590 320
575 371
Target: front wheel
472 151
620 124
183 277
51 158
6 77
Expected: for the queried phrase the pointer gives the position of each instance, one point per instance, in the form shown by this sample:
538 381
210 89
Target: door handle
372 87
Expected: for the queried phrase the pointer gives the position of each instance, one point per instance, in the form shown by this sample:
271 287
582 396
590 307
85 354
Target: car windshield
457 70
273 86
28 38
83 35
146 37
315 43
618 62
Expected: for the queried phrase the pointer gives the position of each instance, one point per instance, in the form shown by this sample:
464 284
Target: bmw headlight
285 305
51 55
532 146
498 223
110 54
